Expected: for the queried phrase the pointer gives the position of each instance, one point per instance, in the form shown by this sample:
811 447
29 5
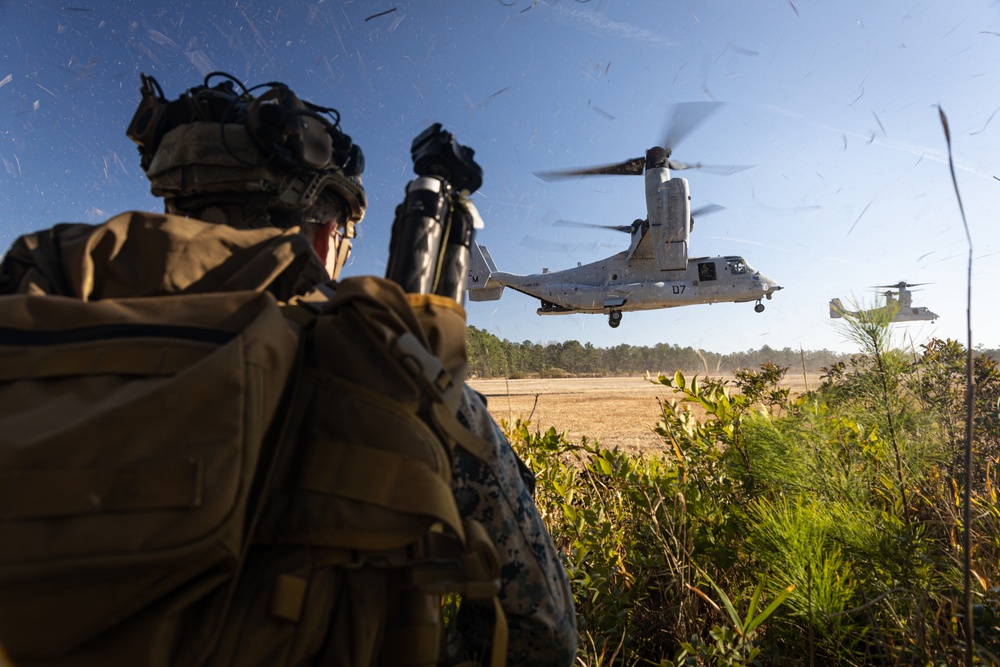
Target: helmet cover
276 147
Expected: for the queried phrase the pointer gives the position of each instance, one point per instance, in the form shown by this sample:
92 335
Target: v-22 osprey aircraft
898 306
655 271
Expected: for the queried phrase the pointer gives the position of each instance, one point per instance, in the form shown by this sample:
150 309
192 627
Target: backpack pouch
130 431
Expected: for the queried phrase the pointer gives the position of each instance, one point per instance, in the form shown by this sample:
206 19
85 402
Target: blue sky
833 103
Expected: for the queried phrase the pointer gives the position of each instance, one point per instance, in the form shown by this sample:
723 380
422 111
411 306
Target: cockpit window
736 266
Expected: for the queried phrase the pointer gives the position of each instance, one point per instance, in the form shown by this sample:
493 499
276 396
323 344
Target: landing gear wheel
759 307
614 318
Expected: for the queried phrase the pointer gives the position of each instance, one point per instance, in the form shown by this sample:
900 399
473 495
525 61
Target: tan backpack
217 479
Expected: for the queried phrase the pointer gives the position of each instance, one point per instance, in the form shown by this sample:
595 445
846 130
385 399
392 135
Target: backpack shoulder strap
436 360
415 354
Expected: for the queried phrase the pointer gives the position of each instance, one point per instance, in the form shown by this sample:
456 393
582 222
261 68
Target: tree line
489 356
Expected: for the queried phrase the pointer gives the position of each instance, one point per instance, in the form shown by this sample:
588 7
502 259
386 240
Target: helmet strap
343 250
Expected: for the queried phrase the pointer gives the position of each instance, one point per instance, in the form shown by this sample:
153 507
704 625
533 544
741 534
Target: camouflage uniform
535 591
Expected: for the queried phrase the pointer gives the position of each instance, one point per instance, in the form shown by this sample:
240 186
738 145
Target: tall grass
821 530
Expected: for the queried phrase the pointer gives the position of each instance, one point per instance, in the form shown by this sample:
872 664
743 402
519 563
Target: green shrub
837 513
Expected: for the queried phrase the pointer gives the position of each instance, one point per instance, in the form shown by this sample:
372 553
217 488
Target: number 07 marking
678 289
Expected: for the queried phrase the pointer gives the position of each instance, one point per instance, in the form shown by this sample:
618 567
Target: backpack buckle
317 299
426 368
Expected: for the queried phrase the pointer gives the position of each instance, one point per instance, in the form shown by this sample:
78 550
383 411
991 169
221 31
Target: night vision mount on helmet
221 139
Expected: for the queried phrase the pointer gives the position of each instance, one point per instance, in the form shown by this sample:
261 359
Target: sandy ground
620 411
615 411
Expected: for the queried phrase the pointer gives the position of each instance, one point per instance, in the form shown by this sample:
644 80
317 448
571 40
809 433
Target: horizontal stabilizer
490 294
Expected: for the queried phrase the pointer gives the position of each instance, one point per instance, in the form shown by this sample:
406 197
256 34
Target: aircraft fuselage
615 283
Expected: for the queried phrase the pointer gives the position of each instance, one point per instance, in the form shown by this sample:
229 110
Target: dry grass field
618 411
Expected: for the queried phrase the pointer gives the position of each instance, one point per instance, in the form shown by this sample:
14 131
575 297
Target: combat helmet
273 156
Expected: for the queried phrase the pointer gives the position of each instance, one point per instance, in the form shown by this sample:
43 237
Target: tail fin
481 267
836 308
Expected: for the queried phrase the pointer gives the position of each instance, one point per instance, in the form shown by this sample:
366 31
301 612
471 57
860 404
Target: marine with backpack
213 454
276 485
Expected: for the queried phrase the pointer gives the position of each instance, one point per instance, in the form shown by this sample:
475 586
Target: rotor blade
706 209
573 223
901 283
632 167
719 169
567 247
683 118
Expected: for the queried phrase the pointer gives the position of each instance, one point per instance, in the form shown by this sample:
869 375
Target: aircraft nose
770 286
768 282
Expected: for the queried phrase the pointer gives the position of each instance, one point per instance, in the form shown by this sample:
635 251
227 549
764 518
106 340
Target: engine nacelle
668 204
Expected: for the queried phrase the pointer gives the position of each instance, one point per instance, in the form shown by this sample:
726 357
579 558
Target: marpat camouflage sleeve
535 591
